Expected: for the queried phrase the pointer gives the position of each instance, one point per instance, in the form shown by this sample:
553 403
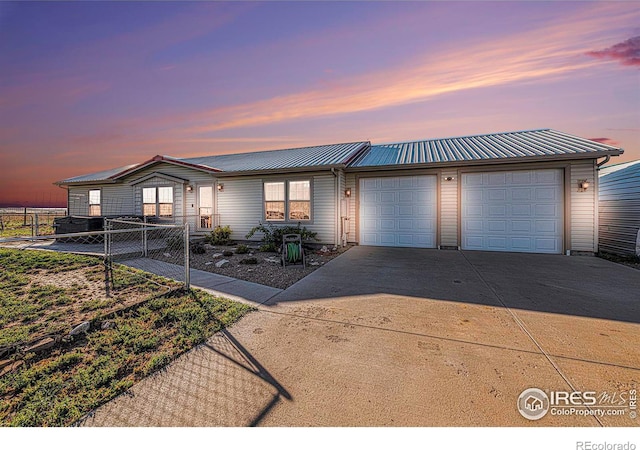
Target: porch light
448 178
189 188
583 185
220 187
347 192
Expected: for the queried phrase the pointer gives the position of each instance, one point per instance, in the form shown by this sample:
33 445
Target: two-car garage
513 211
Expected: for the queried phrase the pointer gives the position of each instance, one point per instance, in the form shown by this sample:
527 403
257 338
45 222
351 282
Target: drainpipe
336 234
602 163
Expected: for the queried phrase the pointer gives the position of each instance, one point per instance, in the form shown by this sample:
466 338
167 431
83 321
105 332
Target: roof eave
159 159
287 170
86 182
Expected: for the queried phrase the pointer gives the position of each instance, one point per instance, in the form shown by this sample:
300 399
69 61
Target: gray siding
619 208
240 205
583 207
449 208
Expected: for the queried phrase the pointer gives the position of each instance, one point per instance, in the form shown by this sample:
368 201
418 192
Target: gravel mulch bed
630 261
268 270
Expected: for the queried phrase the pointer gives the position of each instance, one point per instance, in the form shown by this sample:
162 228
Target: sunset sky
87 86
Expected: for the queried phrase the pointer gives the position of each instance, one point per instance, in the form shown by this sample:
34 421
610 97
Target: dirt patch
268 270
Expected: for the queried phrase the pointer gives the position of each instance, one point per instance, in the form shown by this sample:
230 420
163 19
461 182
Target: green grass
13 226
58 388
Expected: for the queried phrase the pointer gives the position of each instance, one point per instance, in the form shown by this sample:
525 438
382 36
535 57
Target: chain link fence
132 251
14 223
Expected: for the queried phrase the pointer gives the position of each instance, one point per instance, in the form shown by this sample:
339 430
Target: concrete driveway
409 337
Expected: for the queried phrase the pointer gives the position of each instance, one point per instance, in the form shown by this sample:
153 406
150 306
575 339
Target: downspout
336 234
606 160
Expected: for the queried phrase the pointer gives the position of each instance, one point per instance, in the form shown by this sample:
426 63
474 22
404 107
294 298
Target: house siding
449 209
619 209
583 207
240 205
350 183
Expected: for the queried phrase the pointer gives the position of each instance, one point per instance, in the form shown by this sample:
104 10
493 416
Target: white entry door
518 211
398 211
205 207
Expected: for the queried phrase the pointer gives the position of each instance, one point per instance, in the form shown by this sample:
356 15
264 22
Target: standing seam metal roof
519 144
318 156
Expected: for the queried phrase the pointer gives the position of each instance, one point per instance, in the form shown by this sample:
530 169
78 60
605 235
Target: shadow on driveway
577 286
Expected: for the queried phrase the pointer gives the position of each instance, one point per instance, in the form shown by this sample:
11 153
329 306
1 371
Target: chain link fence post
187 270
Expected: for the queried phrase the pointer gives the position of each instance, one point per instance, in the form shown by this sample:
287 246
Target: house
619 209
523 191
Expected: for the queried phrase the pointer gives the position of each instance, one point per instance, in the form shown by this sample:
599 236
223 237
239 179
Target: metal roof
97 176
318 156
497 146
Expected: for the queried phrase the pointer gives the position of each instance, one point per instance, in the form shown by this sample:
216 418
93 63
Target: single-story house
619 209
524 191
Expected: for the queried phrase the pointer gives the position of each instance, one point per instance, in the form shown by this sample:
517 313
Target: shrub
219 236
272 235
197 248
227 253
242 249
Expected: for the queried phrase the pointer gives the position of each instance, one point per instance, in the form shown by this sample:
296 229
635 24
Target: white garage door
398 211
520 211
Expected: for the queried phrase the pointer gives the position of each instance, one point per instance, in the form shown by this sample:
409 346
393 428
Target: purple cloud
626 53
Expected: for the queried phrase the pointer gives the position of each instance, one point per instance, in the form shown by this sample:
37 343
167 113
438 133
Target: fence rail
27 224
128 249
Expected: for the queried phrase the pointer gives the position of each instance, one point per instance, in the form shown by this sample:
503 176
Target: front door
205 207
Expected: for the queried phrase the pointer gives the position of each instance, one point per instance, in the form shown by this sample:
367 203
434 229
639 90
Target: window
274 201
157 201
289 200
299 200
94 202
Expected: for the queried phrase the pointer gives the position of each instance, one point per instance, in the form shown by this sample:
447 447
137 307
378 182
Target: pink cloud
626 53
606 140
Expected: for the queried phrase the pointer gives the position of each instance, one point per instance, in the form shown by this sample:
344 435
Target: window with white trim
95 208
157 201
287 200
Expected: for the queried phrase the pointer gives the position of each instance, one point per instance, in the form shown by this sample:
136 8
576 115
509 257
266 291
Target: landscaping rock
324 249
5 363
209 247
216 255
79 329
249 261
227 253
11 368
272 260
106 325
208 263
314 263
39 346
168 255
222 263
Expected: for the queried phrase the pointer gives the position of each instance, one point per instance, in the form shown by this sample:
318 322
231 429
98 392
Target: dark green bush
250 260
242 249
272 235
227 253
220 235
197 248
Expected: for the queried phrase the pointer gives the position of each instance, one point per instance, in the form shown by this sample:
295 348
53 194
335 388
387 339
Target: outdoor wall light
583 185
220 187
189 188
347 192
448 178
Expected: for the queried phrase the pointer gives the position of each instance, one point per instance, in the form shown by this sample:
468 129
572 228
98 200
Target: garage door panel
406 221
518 211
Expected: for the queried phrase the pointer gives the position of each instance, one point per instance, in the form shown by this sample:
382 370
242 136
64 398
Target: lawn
150 325
13 225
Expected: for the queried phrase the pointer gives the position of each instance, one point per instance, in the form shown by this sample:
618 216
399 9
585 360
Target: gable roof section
524 145
317 157
304 157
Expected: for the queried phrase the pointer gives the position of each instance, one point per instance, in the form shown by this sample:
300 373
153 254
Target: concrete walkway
232 288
